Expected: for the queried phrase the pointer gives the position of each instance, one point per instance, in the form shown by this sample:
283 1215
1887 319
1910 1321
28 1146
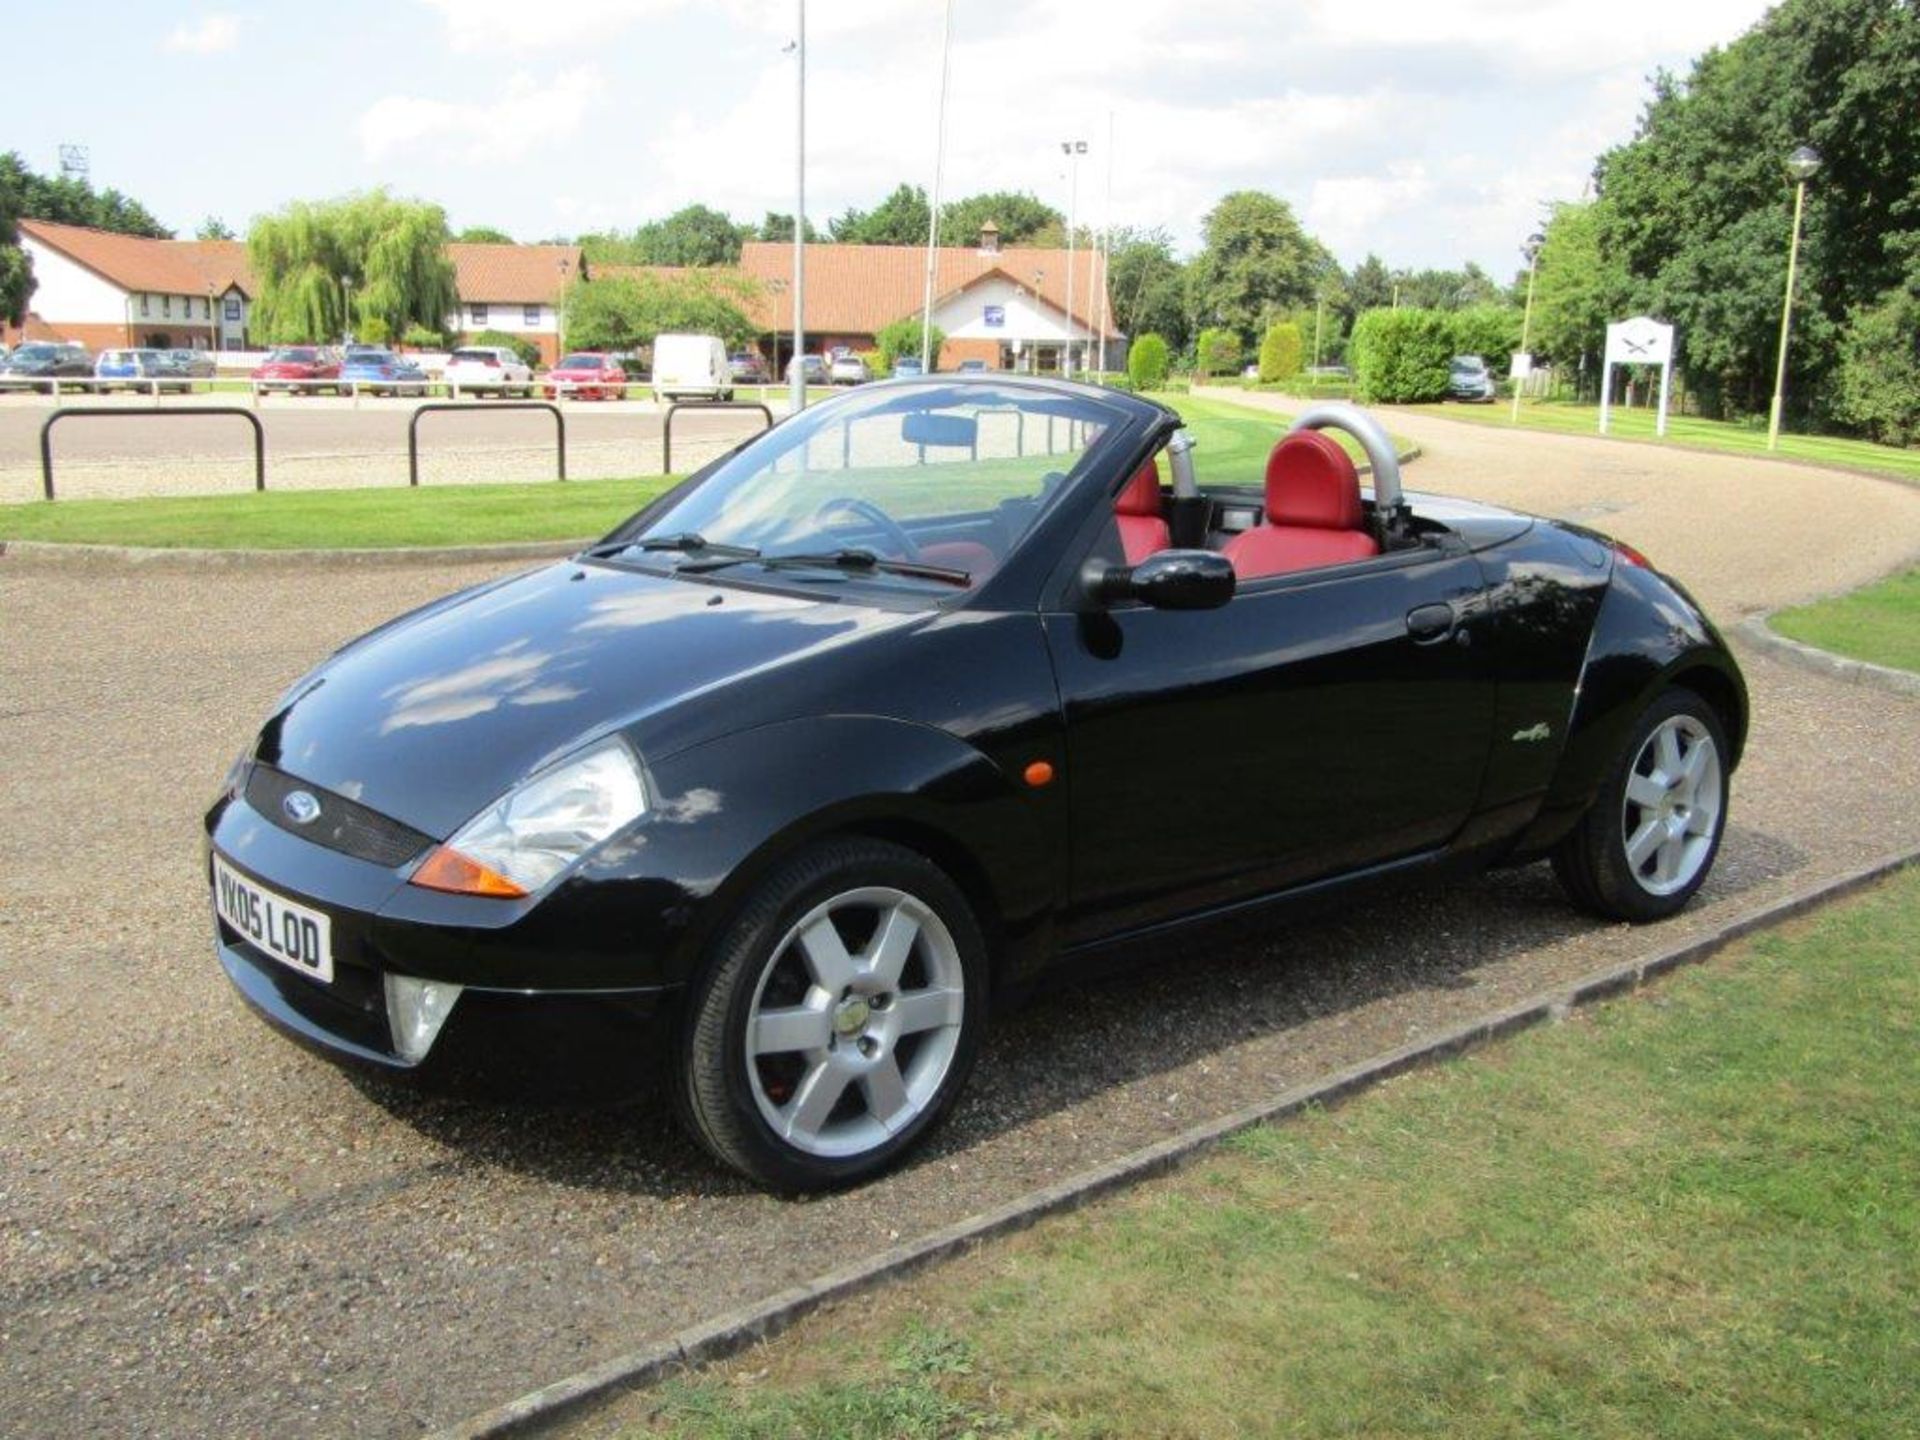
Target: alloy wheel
1670 816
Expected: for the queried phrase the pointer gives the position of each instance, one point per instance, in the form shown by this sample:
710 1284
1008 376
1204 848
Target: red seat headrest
1141 494
1312 482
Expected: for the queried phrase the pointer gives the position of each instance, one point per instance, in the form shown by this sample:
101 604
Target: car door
1319 723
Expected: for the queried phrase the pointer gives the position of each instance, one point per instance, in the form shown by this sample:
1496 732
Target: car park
691 367
586 375
383 373
195 364
300 370
147 371
812 368
848 370
1469 379
488 370
633 780
748 367
48 360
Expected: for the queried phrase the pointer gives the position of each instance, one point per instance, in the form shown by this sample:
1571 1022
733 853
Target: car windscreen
474 357
946 477
294 356
370 357
579 362
35 352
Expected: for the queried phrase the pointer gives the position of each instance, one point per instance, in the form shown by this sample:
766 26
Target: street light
798 379
1535 243
933 211
346 309
1802 165
1073 150
560 311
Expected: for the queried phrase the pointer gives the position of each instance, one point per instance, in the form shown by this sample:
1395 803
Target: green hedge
1402 356
1280 352
1217 352
528 352
1147 362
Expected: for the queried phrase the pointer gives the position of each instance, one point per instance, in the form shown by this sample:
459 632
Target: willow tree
387 257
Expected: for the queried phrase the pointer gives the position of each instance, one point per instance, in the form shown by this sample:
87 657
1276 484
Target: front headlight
541 826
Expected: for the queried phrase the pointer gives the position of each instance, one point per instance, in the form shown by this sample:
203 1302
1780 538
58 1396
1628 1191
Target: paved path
205 1231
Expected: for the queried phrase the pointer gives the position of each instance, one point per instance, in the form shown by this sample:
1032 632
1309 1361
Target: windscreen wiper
687 542
851 558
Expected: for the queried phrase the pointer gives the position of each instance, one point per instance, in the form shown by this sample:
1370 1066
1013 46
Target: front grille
344 825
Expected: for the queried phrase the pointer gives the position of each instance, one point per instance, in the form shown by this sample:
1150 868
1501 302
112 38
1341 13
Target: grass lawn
1690 431
1878 623
340 519
1233 445
1689 1212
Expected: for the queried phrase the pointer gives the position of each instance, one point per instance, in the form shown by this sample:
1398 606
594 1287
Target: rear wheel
837 1019
1651 836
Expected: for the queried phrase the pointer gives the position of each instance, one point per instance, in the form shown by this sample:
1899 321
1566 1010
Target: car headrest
1141 494
1312 483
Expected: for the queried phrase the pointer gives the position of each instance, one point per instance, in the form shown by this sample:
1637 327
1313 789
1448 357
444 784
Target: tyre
1651 836
837 1017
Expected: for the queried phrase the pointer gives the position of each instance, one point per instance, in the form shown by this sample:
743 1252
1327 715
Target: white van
691 365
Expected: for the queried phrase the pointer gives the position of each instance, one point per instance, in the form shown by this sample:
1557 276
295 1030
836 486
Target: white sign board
1639 341
1522 365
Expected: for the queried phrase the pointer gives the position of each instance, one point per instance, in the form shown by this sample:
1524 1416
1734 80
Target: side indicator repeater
1039 774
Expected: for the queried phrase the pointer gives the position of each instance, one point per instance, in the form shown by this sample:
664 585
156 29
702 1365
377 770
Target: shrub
902 337
528 352
420 337
373 330
1280 353
1489 331
1879 378
1147 362
1402 356
1217 352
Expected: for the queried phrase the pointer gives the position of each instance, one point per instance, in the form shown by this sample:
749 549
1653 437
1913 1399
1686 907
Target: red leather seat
1313 516
1136 509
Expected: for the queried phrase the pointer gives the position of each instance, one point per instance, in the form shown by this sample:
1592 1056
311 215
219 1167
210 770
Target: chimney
989 239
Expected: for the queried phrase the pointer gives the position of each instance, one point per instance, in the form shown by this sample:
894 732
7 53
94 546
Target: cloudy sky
1431 133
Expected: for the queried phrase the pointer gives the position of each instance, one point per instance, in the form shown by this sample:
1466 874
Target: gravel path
205 1231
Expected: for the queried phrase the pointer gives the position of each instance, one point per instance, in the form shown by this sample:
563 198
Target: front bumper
514 966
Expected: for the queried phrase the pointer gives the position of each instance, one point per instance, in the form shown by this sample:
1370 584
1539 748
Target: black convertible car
920 693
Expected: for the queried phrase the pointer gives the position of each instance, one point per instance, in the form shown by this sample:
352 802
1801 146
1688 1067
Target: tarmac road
204 1230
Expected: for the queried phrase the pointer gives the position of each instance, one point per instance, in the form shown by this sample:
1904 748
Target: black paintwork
1319 726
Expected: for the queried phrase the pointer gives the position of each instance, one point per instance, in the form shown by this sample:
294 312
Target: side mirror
1168 580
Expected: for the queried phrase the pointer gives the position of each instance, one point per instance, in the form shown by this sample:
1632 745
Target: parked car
697 774
848 370
586 375
49 360
972 367
691 366
748 367
300 370
142 370
812 367
196 364
1469 379
383 373
488 370
906 368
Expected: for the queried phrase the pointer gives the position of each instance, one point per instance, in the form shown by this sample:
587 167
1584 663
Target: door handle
1430 624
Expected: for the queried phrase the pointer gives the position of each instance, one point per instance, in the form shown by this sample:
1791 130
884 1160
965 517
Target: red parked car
296 368
586 375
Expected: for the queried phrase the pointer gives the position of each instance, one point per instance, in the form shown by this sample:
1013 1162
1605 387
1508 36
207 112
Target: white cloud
517 25
209 35
528 115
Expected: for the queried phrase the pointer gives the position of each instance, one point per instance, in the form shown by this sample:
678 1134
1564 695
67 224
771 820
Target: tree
1370 287
1255 259
214 228
16 270
1449 289
778 226
900 219
693 235
392 252
1020 217
67 200
528 352
1148 286
1147 362
1280 352
483 235
902 337
1578 288
1402 356
1217 352
626 312
1879 371
1489 331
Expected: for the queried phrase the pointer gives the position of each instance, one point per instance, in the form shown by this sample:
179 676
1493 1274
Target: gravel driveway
205 1231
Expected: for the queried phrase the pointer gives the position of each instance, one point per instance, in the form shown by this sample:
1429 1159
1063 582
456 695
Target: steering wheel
876 517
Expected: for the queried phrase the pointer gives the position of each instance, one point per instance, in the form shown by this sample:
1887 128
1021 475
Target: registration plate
293 934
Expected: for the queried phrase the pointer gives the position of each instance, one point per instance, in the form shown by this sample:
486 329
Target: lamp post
1073 150
1802 165
799 377
933 211
560 312
346 309
1531 250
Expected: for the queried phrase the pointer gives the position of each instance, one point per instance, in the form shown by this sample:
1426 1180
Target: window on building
166 305
530 315
145 305
233 307
476 314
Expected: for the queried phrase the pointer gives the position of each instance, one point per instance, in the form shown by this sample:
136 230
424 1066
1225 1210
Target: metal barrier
65 413
491 408
666 425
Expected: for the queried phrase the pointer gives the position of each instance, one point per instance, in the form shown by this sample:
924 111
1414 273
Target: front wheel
1652 834
837 1020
